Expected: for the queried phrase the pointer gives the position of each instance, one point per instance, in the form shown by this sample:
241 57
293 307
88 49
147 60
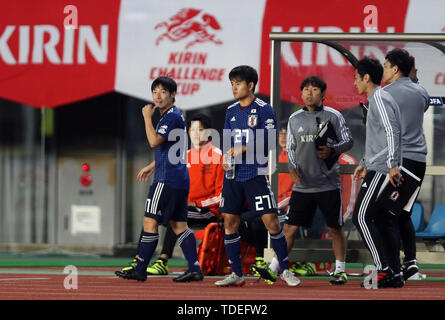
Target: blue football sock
232 244
279 245
147 247
187 242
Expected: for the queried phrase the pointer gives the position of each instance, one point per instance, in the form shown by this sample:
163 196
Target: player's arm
154 139
213 197
343 134
387 109
236 150
219 176
227 141
427 102
359 172
145 173
269 124
291 148
344 143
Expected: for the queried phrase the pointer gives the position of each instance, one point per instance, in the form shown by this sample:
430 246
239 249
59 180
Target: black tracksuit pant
367 217
404 225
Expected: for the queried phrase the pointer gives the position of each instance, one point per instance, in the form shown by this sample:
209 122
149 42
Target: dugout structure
429 51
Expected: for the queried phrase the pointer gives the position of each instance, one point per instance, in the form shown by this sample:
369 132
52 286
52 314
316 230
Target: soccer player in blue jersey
246 128
167 198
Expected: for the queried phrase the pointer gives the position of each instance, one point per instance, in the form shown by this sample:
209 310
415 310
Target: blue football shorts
256 192
165 203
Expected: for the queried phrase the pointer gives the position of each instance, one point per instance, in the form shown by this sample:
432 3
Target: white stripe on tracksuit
156 196
362 223
340 213
211 201
271 194
387 124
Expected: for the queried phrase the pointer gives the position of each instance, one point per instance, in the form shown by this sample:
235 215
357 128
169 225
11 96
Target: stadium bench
436 227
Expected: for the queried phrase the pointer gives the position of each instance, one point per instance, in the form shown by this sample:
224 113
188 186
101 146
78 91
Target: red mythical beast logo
190 23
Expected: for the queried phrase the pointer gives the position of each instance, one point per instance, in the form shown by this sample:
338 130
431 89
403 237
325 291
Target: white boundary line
13 279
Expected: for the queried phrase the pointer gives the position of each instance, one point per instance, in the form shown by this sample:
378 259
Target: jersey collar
316 109
247 107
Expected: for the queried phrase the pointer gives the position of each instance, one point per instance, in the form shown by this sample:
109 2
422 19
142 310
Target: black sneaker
132 265
395 282
382 278
339 278
409 269
131 275
189 276
263 271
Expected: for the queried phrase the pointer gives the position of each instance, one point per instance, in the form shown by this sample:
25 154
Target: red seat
212 255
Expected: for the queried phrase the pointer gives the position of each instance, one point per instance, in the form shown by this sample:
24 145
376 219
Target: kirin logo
192 24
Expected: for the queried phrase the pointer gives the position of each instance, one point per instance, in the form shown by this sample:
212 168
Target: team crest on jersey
252 120
394 196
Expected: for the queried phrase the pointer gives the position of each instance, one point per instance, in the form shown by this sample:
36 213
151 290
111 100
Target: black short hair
205 120
315 82
246 73
401 59
282 125
167 83
371 66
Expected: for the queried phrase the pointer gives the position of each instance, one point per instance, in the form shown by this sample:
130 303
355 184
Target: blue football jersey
253 126
172 171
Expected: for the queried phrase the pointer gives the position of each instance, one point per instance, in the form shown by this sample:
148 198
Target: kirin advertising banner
54 53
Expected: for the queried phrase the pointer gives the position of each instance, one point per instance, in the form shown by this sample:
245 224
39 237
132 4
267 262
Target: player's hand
236 151
145 173
324 152
359 173
295 175
225 164
148 110
192 204
233 152
395 177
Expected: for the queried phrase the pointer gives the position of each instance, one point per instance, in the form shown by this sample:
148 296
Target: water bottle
230 173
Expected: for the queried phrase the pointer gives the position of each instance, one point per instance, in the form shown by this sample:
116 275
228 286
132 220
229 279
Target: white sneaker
231 280
289 278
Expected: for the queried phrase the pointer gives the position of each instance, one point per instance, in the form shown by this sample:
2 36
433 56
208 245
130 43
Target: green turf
61 260
19 260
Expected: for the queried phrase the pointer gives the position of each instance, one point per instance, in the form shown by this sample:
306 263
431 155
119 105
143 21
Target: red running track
106 286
